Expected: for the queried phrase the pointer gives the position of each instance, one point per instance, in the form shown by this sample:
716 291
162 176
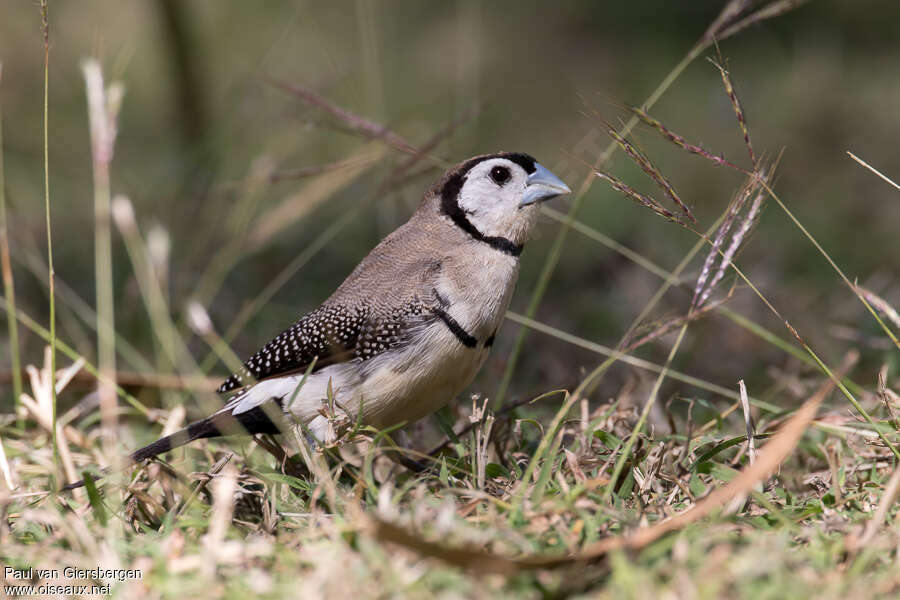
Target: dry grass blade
312 195
873 169
474 559
430 144
5 469
41 404
748 422
223 489
770 11
310 171
357 123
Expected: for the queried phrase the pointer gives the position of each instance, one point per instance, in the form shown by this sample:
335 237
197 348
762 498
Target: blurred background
210 146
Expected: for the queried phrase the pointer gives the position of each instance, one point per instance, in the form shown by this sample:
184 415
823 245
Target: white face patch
490 197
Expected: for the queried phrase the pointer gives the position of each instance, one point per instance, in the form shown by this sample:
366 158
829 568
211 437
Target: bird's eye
500 175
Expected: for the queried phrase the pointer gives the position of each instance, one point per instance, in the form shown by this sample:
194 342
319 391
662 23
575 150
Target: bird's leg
399 455
289 465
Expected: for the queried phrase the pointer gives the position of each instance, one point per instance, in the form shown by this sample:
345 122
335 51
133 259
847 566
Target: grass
709 491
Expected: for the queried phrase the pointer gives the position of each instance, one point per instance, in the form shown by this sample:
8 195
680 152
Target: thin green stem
619 355
45 29
821 250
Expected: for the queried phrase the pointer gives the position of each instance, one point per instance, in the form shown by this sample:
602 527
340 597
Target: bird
412 324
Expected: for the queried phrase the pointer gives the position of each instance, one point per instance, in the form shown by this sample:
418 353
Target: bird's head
495 196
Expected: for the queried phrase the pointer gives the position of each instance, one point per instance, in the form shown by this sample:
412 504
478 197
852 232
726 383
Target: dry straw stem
103 109
873 169
5 470
770 11
44 387
360 124
162 381
9 288
173 345
778 448
731 11
223 489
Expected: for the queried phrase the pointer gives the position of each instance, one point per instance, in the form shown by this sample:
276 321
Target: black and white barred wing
329 335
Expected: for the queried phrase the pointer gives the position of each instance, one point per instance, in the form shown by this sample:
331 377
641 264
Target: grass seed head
736 105
655 174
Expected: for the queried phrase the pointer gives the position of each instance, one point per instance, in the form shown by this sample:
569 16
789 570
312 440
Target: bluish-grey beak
542 185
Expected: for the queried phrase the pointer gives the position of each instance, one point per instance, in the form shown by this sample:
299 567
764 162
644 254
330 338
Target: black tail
255 420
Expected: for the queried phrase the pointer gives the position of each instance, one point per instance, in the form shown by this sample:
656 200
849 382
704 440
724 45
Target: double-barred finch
412 324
